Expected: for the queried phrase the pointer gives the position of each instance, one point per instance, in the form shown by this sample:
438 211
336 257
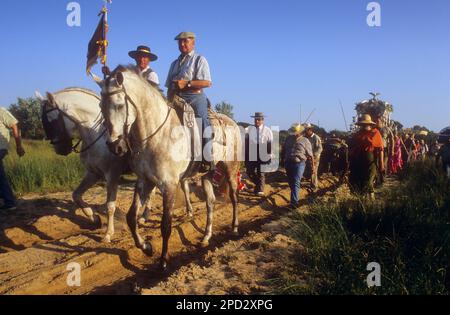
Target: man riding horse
143 56
188 75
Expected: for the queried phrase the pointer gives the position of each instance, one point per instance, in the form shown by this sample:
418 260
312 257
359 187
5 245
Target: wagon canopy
375 108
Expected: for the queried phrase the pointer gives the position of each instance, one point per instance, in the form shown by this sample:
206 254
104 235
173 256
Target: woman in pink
396 163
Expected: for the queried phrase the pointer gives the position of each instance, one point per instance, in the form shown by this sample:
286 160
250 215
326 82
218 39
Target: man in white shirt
259 140
317 149
143 56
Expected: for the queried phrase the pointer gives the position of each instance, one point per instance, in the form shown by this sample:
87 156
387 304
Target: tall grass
41 170
407 233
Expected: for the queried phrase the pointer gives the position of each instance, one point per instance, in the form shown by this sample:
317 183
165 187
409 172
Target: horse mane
79 89
99 119
133 69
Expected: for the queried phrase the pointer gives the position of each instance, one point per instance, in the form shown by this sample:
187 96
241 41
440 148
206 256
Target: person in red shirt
366 156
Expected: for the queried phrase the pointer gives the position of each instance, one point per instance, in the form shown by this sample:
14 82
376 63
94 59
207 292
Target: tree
225 108
418 128
28 113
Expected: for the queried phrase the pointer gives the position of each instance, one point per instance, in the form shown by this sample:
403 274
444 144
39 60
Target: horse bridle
61 115
129 100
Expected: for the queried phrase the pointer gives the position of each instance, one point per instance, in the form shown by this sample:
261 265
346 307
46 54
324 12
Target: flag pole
343 115
105 33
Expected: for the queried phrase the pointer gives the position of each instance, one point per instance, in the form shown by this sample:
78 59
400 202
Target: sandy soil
40 239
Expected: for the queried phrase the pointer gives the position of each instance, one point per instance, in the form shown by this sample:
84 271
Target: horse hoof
235 232
107 239
142 221
163 265
96 223
204 243
147 249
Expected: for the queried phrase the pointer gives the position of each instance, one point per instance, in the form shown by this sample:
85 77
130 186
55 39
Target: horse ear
51 99
39 96
97 80
119 78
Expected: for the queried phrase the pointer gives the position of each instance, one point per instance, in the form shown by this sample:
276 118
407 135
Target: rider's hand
20 151
181 84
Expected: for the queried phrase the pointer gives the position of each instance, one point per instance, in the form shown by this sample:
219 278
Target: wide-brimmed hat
308 126
184 35
365 120
258 115
296 129
143 50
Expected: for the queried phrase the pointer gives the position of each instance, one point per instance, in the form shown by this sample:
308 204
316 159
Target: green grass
407 233
41 170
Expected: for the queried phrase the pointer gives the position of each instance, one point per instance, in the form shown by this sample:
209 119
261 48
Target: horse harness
129 100
49 130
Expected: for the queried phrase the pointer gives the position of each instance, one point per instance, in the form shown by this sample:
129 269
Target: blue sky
264 55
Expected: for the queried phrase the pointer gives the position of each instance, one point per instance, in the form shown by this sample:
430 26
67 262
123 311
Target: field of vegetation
407 231
41 170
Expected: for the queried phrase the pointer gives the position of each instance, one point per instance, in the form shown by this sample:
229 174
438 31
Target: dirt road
47 233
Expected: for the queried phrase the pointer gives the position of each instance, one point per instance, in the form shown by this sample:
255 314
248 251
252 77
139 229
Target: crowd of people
366 155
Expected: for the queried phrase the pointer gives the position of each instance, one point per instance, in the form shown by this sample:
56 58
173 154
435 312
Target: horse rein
74 148
128 100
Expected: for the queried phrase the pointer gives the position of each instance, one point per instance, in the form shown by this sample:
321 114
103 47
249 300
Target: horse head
118 109
58 128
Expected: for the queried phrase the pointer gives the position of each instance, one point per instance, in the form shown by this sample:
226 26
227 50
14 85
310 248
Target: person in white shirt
317 149
258 146
143 56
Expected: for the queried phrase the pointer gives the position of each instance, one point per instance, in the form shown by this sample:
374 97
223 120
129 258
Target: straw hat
365 120
296 129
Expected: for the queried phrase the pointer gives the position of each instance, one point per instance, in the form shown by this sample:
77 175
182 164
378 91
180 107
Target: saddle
218 123
186 114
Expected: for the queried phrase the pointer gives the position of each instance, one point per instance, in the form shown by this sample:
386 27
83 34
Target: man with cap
366 156
188 75
317 149
258 144
143 56
296 151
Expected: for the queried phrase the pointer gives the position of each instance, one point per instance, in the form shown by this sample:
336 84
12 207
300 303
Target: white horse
140 121
75 112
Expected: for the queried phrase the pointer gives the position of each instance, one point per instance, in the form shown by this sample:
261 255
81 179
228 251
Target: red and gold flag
98 43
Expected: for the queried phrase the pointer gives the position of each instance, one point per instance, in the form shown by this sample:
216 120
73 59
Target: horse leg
112 183
210 199
148 207
233 191
141 192
166 224
88 181
186 191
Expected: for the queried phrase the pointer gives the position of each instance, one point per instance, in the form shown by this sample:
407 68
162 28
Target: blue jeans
199 103
5 190
294 171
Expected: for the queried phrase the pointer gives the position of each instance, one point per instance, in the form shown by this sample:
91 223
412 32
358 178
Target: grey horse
140 121
76 112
